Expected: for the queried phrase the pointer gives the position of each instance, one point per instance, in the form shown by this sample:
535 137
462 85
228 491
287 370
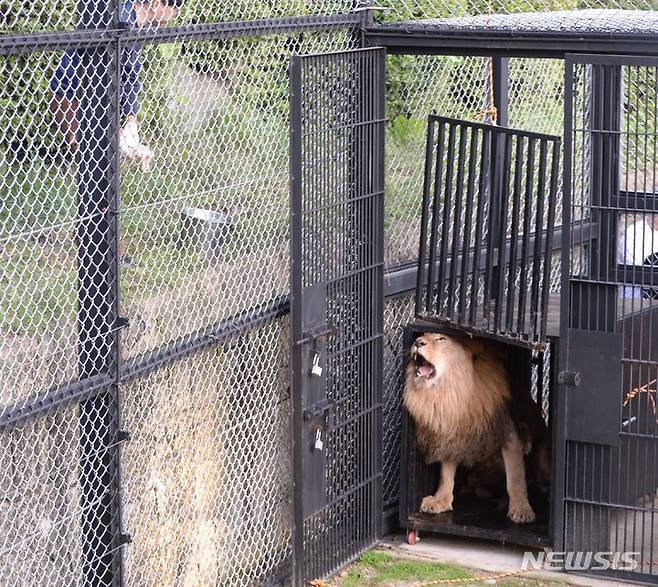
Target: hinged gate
337 222
608 443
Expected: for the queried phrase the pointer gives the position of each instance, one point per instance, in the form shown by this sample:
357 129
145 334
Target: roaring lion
458 393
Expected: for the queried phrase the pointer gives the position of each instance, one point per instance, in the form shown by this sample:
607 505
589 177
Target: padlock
319 445
316 369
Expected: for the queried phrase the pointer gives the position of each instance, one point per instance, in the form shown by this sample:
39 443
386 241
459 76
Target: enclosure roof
551 33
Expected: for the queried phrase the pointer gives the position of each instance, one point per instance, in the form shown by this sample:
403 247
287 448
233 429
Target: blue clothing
65 80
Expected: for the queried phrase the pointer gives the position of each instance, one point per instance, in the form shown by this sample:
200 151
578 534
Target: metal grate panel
612 460
337 146
487 228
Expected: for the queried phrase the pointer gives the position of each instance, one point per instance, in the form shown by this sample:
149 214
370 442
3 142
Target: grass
376 568
379 568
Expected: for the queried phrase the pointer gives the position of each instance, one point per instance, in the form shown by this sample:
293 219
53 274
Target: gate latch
319 409
314 336
569 378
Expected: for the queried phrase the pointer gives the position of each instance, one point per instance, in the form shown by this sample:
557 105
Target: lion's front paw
436 504
521 512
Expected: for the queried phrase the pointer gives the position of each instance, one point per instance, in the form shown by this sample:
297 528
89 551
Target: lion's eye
442 338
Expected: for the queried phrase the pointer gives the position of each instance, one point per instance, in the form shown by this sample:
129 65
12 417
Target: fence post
97 244
500 90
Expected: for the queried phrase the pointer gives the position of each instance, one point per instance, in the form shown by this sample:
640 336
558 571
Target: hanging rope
490 112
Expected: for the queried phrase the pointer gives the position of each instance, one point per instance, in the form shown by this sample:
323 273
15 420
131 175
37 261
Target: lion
458 393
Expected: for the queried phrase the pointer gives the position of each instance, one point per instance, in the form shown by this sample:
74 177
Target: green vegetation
379 568
376 568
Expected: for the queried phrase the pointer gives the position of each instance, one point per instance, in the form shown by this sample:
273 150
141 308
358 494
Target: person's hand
131 147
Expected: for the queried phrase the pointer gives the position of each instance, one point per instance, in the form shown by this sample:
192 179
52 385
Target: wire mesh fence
195 378
183 384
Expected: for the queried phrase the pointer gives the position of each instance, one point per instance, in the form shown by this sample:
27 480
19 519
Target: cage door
337 254
608 436
487 230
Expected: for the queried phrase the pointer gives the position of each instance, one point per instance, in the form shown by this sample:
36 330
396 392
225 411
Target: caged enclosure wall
145 395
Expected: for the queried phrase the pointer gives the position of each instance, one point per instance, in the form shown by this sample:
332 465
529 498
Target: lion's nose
419 343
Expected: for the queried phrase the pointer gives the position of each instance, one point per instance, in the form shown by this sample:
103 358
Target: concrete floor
481 555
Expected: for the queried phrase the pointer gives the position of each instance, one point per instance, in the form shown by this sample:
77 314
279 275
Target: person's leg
64 115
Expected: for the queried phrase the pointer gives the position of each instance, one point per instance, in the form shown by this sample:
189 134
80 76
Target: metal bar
468 225
550 229
499 130
479 222
143 365
500 74
527 227
114 116
445 226
427 187
96 117
380 144
456 222
296 228
13 44
558 419
502 233
403 40
436 207
34 407
516 204
203 339
539 224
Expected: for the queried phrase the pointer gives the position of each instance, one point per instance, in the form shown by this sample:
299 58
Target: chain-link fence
144 387
145 400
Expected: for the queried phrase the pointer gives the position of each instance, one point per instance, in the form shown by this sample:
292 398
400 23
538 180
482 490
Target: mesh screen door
337 223
609 329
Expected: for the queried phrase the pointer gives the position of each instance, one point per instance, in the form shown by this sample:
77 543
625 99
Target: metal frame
401 39
28 43
590 316
479 178
336 306
97 389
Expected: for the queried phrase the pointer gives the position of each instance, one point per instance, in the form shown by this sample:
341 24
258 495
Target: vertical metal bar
97 304
500 74
527 228
380 113
559 351
456 223
296 279
483 186
516 204
436 207
445 227
427 199
502 233
548 246
468 226
492 220
539 230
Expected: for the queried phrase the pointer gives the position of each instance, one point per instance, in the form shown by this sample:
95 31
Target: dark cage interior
473 514
484 263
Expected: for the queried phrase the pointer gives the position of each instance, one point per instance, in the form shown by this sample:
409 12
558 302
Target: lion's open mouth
424 368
